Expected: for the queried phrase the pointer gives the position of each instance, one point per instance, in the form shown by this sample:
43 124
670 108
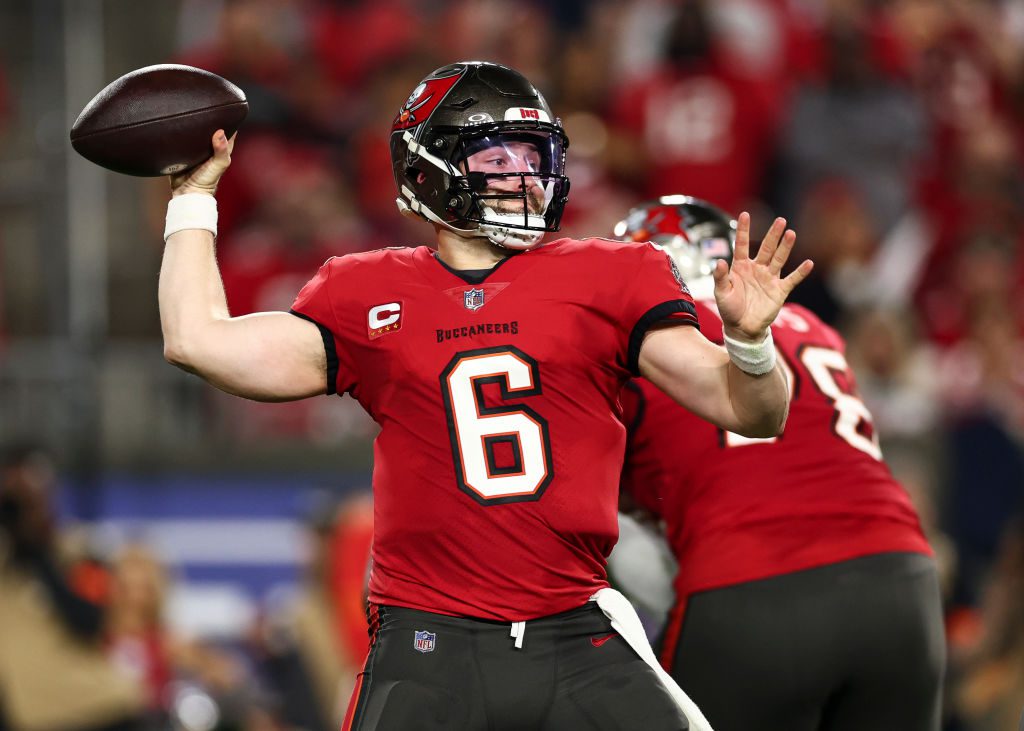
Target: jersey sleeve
657 294
316 303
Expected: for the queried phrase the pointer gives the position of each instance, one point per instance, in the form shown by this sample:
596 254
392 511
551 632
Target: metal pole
87 183
84 75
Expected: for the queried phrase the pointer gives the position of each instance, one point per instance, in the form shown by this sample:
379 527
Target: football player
493 366
806 594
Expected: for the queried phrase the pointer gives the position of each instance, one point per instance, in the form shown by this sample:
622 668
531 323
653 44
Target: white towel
624 621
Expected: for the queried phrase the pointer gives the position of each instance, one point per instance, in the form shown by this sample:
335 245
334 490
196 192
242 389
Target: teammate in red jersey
493 366
806 595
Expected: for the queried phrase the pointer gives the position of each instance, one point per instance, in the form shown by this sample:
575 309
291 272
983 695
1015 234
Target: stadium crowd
889 132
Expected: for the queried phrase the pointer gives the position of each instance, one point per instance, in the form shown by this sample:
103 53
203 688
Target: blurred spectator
917 470
838 233
977 231
368 157
313 645
858 123
352 39
494 30
896 373
294 228
987 676
962 58
256 48
694 123
136 639
349 566
215 688
54 675
581 89
984 372
986 477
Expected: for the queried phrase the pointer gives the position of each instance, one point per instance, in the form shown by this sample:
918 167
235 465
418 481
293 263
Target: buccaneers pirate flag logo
424 100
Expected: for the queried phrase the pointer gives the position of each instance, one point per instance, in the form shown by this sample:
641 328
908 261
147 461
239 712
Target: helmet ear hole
420 183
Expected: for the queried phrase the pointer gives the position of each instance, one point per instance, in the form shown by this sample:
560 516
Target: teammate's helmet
476 149
695 233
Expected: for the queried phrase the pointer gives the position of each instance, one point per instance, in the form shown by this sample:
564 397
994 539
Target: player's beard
534 200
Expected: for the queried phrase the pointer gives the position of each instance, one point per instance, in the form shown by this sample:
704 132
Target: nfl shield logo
474 299
424 641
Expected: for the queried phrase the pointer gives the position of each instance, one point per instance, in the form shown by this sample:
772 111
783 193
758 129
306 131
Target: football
158 120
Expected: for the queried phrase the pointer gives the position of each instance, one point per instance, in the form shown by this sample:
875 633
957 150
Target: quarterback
493 365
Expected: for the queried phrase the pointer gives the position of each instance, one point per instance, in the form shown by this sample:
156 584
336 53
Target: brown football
158 120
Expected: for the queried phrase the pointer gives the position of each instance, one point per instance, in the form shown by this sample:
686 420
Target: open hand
204 178
750 293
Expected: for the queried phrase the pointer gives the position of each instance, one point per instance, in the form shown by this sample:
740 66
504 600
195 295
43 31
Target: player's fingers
782 252
222 147
796 276
721 275
771 241
742 248
205 177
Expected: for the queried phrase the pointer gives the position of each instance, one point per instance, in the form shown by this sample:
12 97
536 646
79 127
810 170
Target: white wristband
755 359
192 210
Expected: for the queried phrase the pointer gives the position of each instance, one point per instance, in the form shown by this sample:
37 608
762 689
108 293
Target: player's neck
462 253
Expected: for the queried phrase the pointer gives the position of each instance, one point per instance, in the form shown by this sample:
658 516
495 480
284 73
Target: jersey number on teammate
852 422
479 432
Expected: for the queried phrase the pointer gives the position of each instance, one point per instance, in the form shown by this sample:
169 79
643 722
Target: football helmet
695 234
476 149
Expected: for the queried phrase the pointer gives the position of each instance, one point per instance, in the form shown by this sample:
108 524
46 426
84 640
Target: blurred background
205 555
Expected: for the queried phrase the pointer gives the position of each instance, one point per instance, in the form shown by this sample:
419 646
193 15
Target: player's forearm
701 377
760 403
191 297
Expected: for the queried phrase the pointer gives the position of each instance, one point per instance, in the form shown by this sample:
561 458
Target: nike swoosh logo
598 641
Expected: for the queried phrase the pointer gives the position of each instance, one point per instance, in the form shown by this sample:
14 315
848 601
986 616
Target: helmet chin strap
500 228
505 236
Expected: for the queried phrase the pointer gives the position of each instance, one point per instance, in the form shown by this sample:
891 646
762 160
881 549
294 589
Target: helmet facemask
515 186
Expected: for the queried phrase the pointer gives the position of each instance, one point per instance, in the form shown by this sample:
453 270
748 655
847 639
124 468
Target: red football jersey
739 509
497 466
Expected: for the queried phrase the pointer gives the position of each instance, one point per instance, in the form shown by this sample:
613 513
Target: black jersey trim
641 407
652 317
329 349
472 276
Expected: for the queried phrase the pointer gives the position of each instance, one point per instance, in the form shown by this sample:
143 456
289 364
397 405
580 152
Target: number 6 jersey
497 466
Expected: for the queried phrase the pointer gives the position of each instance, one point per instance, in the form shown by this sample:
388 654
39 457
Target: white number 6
476 429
